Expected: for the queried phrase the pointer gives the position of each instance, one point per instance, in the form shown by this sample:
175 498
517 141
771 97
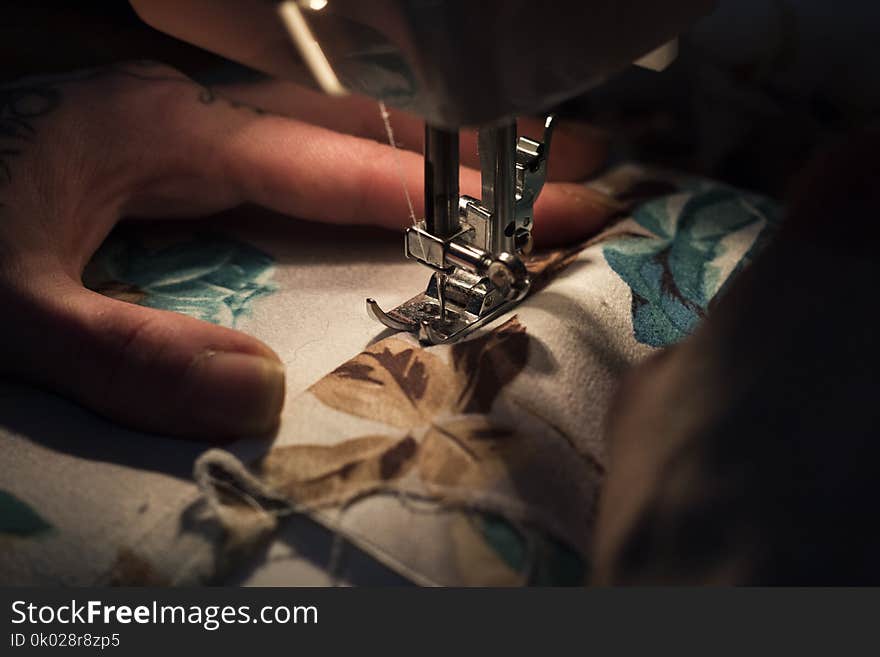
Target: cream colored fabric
103 504
510 506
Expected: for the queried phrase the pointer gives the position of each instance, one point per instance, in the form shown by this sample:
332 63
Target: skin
80 153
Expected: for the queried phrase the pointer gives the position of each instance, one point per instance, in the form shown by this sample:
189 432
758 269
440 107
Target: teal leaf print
547 561
18 519
677 271
207 276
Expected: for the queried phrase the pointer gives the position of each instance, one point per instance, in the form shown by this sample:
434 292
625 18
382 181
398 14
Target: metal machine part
453 62
474 247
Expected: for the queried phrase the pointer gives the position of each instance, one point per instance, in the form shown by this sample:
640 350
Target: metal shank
441 181
497 147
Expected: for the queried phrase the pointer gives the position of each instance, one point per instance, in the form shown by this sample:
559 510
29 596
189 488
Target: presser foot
464 310
474 252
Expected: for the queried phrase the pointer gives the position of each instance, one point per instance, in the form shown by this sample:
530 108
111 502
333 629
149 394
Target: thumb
149 369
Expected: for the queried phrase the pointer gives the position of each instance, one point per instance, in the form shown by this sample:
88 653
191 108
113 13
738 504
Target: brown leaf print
470 455
545 266
442 439
131 569
408 372
391 382
468 451
407 387
356 372
487 363
396 459
326 474
410 388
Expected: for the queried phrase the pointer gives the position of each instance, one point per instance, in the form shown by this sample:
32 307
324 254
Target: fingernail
234 394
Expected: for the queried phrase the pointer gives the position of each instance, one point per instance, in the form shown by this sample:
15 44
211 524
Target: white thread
386 119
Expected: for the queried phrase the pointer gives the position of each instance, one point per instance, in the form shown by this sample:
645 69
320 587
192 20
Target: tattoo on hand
23 102
19 107
206 94
208 97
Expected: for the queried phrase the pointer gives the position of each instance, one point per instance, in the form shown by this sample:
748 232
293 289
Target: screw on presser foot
441 295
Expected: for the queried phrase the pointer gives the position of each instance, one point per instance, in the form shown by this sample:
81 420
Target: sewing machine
455 63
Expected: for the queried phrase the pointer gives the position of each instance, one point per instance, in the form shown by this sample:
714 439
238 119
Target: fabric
478 463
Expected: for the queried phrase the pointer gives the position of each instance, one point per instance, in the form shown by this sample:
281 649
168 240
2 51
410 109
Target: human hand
79 153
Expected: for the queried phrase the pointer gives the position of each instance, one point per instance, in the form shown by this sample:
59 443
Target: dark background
759 86
54 36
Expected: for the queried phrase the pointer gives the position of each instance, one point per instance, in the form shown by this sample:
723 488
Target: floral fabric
481 463
478 463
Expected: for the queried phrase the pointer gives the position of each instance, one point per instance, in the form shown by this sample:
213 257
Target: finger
311 172
578 150
149 369
349 180
567 213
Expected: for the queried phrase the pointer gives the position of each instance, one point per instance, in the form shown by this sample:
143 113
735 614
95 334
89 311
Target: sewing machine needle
441 294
